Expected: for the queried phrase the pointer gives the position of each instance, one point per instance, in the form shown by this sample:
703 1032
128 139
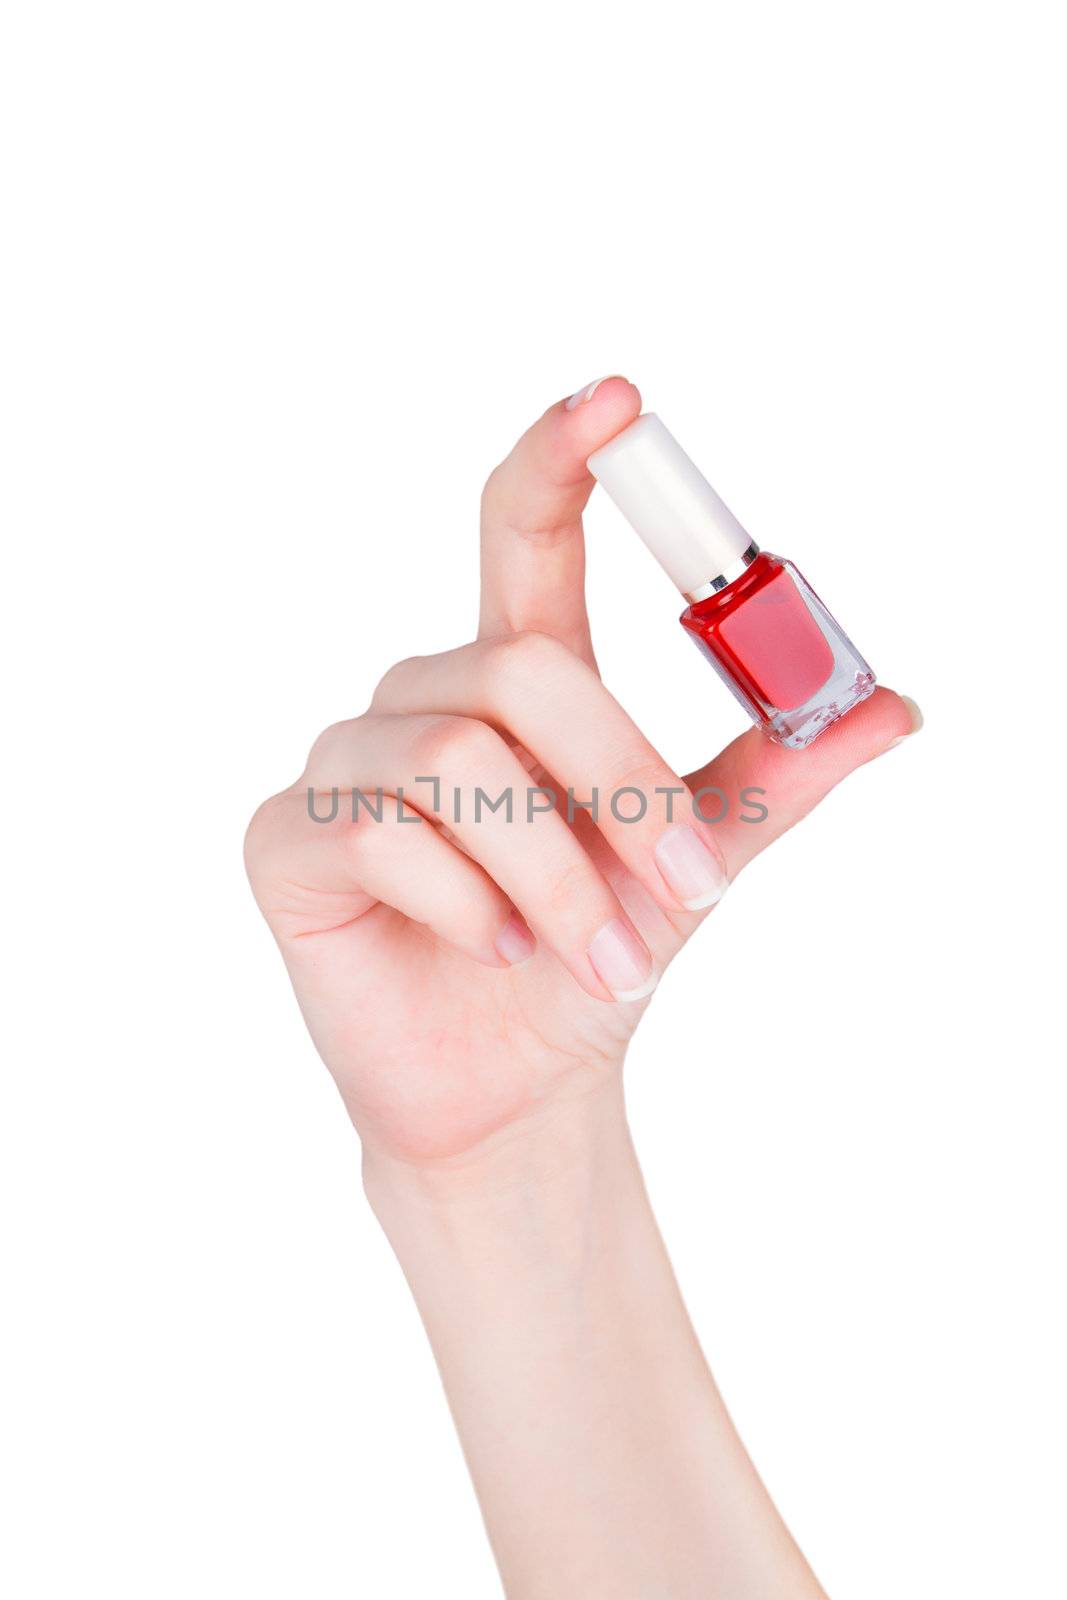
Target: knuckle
491 488
325 746
525 656
255 837
646 776
265 834
629 778
572 884
390 684
364 838
454 742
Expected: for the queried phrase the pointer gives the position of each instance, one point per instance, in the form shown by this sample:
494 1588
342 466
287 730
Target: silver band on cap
733 572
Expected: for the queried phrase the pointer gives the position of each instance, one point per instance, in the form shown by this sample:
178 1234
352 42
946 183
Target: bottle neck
724 579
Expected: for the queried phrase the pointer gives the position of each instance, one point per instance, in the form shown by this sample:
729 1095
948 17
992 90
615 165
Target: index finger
533 548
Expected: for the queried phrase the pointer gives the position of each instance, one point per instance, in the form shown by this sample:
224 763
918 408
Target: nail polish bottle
764 630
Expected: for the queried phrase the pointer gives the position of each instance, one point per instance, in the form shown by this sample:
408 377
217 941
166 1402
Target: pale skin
462 985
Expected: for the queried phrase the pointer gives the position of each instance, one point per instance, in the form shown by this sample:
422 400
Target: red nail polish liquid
766 633
771 639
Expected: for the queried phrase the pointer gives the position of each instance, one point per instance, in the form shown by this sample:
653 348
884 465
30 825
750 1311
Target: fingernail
515 942
586 394
690 869
916 722
622 962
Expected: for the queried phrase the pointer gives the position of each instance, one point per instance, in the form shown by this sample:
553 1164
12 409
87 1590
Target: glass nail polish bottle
764 630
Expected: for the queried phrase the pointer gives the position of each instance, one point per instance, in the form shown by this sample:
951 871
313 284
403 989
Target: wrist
540 1174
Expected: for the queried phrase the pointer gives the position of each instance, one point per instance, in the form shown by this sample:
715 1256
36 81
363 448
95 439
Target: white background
282 282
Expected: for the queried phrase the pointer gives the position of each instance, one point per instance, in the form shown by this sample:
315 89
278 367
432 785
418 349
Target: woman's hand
471 981
462 973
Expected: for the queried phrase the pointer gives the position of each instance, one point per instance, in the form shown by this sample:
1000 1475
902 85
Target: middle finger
532 686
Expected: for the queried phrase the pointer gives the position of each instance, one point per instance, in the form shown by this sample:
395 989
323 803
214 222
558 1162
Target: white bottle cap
671 505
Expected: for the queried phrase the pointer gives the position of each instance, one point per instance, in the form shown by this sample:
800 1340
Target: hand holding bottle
457 983
472 987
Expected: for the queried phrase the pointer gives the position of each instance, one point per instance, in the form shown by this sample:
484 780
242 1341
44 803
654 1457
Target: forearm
602 1454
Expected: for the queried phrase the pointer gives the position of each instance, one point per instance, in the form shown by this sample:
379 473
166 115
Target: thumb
776 787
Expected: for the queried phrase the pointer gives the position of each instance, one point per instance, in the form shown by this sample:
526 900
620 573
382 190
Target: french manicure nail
690 869
586 394
916 722
622 962
515 942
